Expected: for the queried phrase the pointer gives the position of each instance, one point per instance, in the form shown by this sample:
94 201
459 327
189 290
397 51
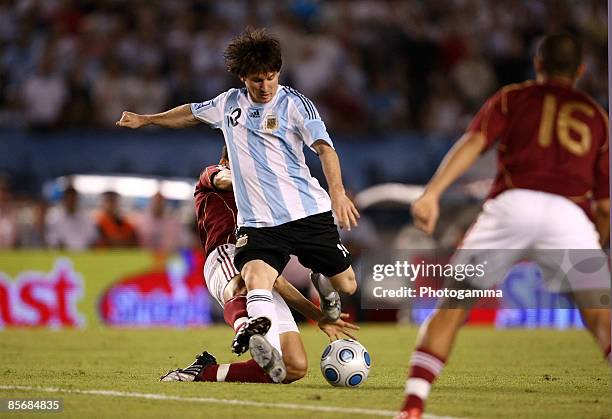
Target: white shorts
219 270
523 224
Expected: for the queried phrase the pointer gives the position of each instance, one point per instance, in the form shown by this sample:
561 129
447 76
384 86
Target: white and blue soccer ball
345 363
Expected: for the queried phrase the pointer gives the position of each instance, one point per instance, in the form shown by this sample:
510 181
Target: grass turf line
518 373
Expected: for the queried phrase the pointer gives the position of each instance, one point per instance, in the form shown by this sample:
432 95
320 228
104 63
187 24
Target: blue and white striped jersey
265 142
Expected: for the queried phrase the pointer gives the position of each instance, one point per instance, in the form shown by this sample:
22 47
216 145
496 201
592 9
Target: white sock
239 323
325 285
261 304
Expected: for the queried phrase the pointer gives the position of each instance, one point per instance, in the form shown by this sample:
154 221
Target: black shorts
314 240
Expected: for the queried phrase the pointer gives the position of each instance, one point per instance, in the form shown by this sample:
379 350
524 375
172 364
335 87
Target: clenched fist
425 212
131 120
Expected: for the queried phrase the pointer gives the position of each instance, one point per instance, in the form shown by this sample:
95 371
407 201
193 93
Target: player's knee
294 375
347 283
248 273
251 279
257 274
234 288
297 367
351 286
239 289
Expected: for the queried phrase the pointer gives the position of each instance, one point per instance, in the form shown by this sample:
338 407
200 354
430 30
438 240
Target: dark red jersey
551 137
215 211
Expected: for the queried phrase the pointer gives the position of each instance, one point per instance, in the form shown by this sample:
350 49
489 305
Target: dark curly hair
253 52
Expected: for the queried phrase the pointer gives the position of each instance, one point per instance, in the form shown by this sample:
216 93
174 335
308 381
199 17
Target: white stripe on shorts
228 262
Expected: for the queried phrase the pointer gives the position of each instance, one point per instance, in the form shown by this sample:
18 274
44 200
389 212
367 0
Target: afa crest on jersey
271 122
242 240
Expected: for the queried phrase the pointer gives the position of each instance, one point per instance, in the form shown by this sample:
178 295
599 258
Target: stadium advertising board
174 296
42 299
131 288
123 288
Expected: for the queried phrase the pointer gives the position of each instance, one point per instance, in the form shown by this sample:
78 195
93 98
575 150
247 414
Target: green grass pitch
493 374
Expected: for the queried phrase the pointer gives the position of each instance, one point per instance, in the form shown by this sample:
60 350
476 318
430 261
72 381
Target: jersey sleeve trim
210 111
303 104
311 129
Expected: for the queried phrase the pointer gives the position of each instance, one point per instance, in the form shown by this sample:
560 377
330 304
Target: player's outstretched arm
295 299
179 117
343 207
457 161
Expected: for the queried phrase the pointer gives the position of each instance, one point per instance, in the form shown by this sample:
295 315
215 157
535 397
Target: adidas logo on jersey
254 113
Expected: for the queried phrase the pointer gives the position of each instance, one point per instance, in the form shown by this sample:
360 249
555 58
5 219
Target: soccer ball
345 363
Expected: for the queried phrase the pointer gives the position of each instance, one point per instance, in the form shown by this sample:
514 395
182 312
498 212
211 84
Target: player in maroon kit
551 192
216 218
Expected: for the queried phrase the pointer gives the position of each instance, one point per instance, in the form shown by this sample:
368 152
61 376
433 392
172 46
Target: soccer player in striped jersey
215 209
282 209
551 192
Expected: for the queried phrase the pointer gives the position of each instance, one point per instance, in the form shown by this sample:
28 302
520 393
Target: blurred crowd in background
71 225
369 65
